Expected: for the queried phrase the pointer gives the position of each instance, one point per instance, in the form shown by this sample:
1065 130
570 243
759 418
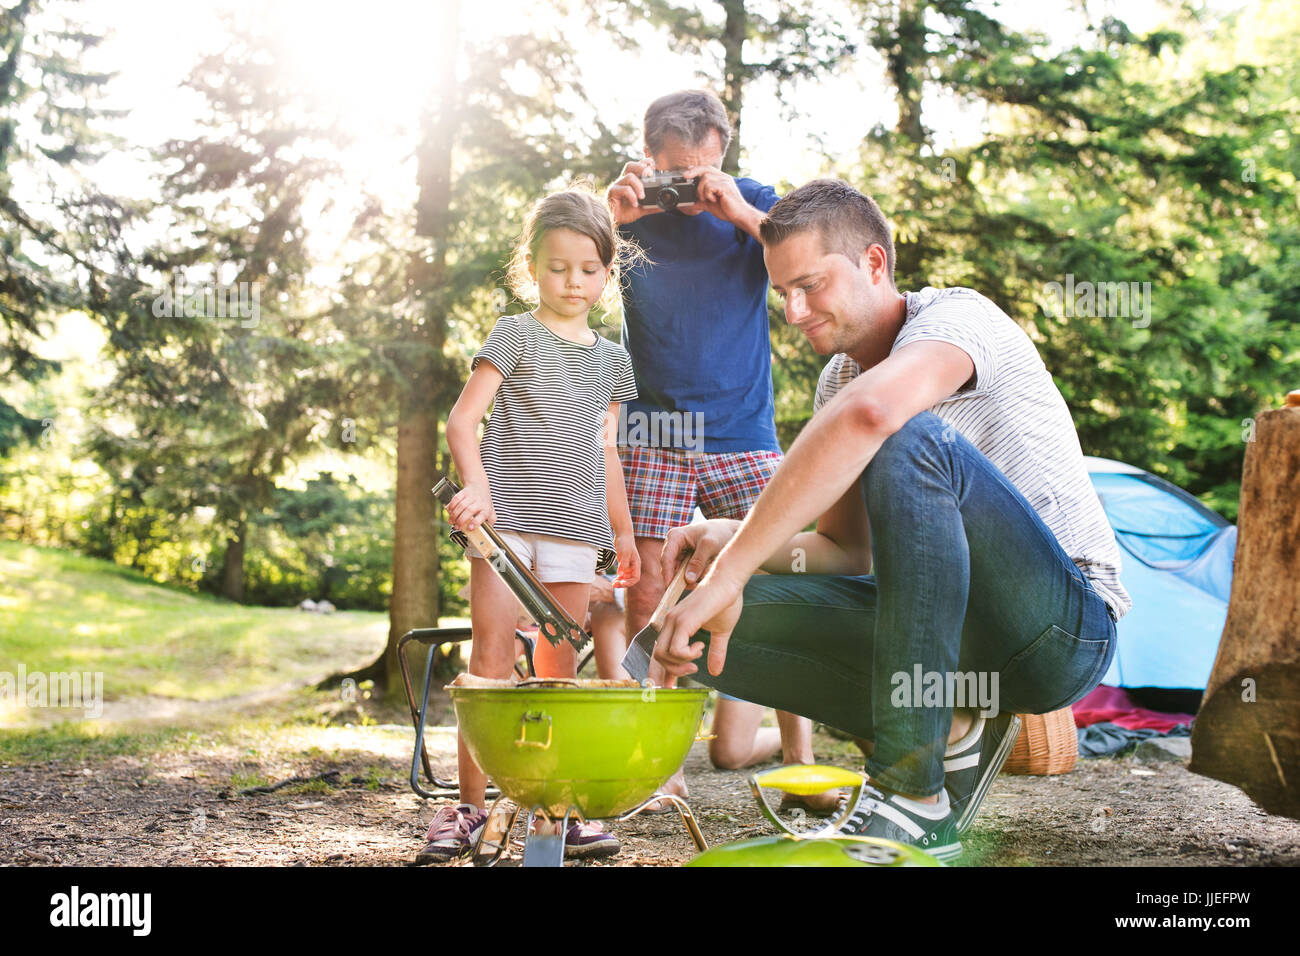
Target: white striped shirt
544 445
1015 415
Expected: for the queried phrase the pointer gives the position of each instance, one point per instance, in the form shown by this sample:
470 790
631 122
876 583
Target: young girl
547 475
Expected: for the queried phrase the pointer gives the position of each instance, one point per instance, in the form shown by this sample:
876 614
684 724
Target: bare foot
676 784
818 804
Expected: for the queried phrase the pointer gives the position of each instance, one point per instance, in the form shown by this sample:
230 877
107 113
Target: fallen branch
329 776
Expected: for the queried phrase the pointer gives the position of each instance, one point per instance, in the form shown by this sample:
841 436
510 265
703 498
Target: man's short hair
687 115
847 221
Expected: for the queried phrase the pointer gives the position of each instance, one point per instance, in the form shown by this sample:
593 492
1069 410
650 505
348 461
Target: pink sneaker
453 833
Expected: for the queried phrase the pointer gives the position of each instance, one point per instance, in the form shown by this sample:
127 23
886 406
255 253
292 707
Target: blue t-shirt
695 323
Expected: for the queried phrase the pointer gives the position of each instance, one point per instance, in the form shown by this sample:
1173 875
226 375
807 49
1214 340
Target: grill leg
683 810
545 849
495 835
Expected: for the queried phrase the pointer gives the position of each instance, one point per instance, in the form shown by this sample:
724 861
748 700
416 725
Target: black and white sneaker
970 764
932 828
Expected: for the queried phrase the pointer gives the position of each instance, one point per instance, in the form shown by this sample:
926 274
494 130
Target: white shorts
553 560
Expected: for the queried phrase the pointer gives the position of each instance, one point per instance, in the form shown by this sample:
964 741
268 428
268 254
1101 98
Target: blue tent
1177 566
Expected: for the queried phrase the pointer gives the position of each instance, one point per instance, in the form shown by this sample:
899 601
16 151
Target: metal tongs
553 622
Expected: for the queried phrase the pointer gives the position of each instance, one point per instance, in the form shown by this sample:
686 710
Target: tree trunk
415 541
907 60
232 566
1248 729
734 76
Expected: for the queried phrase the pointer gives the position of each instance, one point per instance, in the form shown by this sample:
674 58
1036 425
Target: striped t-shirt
544 445
1015 415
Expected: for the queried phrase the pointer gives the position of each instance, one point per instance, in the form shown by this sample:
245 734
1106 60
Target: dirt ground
182 806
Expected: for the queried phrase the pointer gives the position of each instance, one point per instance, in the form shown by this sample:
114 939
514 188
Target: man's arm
837 445
719 195
825 461
840 545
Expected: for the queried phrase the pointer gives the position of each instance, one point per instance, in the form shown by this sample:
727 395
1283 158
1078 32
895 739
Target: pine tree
222 365
785 40
1098 167
49 136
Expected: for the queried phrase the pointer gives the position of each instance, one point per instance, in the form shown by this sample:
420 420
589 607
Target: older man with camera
702 433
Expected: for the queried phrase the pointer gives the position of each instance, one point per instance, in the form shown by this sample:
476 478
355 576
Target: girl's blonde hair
578 208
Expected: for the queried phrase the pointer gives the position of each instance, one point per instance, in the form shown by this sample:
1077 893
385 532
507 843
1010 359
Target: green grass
60 611
298 728
78 742
241 781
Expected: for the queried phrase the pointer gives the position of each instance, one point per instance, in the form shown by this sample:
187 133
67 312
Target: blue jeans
968 579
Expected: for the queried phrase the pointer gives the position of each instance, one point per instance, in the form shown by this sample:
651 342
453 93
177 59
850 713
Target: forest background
355 178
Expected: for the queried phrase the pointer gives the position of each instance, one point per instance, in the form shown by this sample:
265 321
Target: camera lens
668 198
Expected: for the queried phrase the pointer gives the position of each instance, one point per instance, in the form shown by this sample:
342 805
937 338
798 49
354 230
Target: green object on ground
602 750
814 851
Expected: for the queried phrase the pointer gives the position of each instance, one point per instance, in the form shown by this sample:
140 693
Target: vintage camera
669 189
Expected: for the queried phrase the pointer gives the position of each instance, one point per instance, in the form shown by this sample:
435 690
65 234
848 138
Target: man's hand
623 197
705 538
602 591
471 507
720 196
714 606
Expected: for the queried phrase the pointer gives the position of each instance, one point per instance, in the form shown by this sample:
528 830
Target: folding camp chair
436 637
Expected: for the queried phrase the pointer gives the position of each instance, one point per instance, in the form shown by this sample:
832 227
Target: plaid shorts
664 485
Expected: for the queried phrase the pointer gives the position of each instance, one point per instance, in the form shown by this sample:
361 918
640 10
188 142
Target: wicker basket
1048 743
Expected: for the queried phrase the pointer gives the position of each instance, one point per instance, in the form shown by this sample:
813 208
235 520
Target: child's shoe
587 841
452 834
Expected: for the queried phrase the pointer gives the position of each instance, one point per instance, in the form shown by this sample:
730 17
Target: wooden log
1248 730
